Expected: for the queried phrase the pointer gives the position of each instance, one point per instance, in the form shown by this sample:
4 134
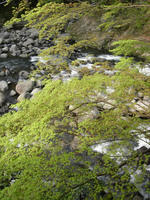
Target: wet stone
3 86
24 86
3 55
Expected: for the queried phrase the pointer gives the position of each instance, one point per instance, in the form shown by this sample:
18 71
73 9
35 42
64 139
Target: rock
109 90
28 42
5 49
3 55
146 98
23 49
86 27
38 83
2 98
142 106
33 33
24 86
6 35
140 94
23 96
23 55
34 91
23 74
109 105
2 73
92 113
109 72
3 86
12 93
13 48
1 40
75 143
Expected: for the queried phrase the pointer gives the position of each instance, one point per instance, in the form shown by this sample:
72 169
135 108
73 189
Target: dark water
14 65
10 68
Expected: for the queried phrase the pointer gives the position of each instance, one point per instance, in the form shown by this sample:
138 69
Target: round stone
3 86
24 86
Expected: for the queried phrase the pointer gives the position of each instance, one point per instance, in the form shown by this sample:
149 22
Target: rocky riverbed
20 41
17 45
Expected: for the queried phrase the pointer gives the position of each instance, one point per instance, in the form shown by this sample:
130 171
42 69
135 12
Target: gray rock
23 96
12 93
28 42
142 106
3 86
35 90
23 49
24 86
23 74
146 98
13 48
109 105
33 33
3 55
1 40
8 41
140 94
92 113
109 72
36 43
5 49
38 83
18 53
6 35
2 73
24 55
75 143
2 98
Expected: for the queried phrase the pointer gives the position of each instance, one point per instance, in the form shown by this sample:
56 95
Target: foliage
46 146
52 21
131 48
123 17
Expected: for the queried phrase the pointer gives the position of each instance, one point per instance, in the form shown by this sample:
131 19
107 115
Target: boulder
28 42
35 90
1 40
23 74
24 86
12 93
6 35
13 48
2 73
33 33
38 83
5 49
3 86
23 55
3 55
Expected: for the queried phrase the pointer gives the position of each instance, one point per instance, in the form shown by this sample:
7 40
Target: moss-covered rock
86 28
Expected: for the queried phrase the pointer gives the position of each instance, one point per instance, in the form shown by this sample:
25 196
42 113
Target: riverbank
85 133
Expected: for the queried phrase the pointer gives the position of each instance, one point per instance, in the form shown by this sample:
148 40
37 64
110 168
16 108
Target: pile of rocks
21 42
16 90
27 89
